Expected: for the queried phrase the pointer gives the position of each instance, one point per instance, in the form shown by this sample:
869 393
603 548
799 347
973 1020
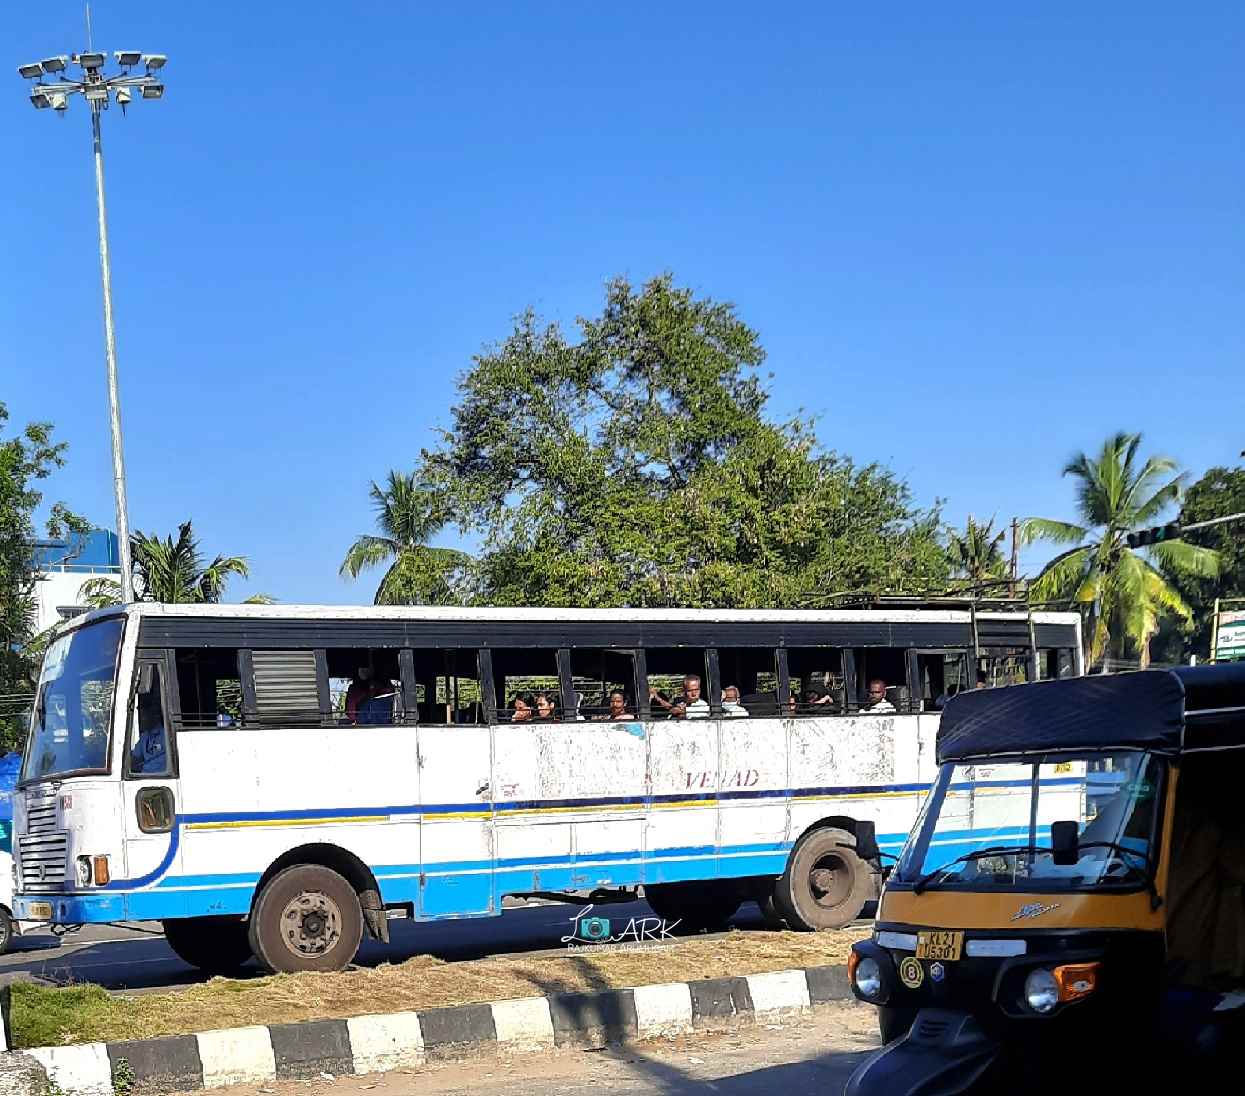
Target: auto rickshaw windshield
988 825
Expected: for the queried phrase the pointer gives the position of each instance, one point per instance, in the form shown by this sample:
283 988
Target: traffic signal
1156 535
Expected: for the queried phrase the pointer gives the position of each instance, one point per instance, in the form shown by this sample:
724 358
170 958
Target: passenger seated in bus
877 702
522 709
377 709
546 707
689 705
731 706
818 701
360 689
618 707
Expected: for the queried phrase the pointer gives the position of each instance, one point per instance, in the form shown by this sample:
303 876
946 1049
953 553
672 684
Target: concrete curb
374 1044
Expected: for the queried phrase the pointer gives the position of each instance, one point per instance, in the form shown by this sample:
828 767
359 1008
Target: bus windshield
989 825
69 728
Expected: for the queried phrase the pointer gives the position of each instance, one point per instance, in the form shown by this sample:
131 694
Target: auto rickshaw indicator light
1076 980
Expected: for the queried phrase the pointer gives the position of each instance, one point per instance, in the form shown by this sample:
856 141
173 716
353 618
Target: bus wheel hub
312 924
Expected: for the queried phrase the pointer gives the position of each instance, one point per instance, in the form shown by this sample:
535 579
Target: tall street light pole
99 90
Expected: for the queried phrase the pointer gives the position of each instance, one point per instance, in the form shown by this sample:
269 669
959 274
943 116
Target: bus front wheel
826 884
215 945
307 917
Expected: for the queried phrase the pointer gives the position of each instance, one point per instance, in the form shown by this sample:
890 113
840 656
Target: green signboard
1230 636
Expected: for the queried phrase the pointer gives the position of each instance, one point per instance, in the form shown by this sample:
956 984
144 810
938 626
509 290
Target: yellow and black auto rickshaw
1070 905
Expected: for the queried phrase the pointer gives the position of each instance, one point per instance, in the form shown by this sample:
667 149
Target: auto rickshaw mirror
1064 841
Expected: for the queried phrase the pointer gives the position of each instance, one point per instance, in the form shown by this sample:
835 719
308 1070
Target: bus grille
41 815
41 863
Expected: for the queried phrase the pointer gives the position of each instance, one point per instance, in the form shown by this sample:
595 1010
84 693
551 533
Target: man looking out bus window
731 708
690 705
877 697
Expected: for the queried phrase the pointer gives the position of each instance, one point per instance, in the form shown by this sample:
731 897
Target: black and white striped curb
374 1044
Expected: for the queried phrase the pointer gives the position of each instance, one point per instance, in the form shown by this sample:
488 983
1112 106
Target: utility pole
1015 564
99 90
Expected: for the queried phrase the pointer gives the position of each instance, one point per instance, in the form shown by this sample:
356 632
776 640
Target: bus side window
364 685
668 671
525 684
753 671
817 680
597 674
209 685
448 686
148 751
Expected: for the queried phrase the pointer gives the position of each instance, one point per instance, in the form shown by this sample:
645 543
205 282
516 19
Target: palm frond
100 593
1181 557
1057 532
368 552
1063 576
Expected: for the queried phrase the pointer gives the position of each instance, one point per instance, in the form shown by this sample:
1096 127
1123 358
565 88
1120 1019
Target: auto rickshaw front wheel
826 884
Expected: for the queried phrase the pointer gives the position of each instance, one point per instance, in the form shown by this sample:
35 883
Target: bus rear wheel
307 917
695 906
826 884
215 945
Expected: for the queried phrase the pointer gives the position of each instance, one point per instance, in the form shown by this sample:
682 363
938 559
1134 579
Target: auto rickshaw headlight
867 977
1041 990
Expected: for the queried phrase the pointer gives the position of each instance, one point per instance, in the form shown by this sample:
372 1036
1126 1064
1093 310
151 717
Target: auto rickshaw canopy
1175 711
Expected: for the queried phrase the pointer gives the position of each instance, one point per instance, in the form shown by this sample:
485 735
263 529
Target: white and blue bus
277 780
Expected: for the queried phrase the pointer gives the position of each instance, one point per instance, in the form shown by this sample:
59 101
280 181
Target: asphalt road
815 1053
135 957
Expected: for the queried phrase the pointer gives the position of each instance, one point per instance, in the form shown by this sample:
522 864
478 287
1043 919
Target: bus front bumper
69 909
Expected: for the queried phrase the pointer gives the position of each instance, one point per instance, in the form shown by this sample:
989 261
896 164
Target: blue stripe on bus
604 802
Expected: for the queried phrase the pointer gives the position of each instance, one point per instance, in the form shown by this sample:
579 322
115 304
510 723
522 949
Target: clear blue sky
974 238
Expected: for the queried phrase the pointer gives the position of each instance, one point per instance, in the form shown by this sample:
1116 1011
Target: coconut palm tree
171 570
976 553
408 513
1121 591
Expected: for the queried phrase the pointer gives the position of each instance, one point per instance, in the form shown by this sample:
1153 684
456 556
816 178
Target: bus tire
694 906
214 945
6 930
826 884
307 917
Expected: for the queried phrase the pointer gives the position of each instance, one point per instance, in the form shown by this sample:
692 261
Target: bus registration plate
40 911
943 946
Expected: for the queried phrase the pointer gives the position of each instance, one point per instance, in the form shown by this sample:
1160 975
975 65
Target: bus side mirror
1064 842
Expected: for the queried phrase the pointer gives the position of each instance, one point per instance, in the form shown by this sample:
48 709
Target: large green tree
1124 593
172 571
637 465
408 513
1220 492
25 459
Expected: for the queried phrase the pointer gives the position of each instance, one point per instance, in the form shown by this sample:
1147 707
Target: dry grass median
46 1016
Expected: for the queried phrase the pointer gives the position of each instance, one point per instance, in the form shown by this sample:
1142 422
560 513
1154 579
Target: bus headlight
867 977
84 871
1041 990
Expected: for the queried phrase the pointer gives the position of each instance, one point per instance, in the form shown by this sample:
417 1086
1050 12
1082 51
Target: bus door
150 788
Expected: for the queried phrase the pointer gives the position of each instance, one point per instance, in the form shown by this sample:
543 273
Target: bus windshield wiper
976 854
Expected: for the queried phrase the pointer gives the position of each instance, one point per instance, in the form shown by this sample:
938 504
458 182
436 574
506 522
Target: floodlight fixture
39 100
128 58
91 61
124 97
153 91
31 71
59 101
54 64
154 61
95 93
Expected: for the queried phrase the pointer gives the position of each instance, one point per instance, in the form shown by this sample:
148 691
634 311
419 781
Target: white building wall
59 590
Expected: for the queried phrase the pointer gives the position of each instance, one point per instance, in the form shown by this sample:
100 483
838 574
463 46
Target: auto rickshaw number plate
944 946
